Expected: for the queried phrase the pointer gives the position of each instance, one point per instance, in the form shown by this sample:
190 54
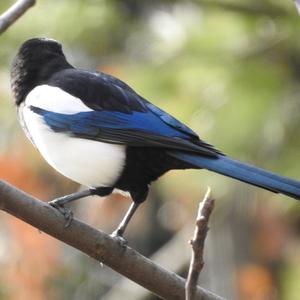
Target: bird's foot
118 236
119 232
66 212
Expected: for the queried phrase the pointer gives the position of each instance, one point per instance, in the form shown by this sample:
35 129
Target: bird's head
40 47
36 61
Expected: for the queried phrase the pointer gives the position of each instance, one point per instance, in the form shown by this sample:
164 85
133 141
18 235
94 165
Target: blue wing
108 94
152 128
119 115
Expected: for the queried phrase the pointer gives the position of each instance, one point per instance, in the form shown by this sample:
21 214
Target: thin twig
201 228
96 244
14 13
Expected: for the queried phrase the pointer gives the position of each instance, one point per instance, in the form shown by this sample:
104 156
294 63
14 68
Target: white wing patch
55 99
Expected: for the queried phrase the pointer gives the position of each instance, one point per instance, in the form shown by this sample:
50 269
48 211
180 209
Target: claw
119 237
67 213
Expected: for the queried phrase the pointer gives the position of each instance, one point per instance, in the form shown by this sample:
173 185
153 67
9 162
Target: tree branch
14 12
96 244
126 289
196 265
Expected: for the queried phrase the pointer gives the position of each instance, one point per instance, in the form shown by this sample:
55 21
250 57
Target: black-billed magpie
96 130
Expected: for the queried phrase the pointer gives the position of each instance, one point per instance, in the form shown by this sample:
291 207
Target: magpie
96 130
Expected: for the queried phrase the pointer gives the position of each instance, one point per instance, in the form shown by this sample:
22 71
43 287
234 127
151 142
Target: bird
96 130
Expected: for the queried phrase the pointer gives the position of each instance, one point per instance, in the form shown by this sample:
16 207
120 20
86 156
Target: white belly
87 162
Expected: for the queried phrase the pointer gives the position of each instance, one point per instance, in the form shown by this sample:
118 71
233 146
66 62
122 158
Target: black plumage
155 142
146 158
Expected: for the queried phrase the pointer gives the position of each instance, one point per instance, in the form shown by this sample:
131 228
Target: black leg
123 225
59 203
138 197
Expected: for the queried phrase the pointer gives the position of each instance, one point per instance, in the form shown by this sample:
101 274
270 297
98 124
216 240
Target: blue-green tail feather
243 172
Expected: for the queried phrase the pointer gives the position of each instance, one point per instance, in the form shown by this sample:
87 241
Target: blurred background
228 69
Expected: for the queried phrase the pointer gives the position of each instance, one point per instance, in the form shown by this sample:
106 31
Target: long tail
243 172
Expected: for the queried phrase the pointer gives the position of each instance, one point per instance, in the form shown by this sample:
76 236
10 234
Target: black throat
32 67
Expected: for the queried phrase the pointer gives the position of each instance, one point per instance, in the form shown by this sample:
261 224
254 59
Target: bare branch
196 265
126 289
14 12
96 244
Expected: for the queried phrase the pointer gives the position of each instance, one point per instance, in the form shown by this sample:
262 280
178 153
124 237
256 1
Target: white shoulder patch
55 99
85 161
